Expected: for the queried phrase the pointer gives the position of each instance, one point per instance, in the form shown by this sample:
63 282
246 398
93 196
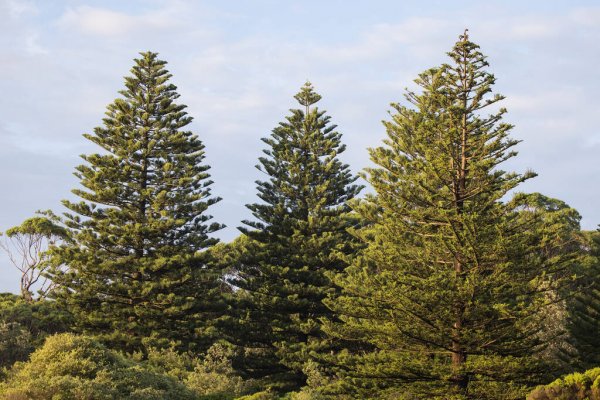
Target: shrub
577 386
211 376
78 367
215 374
264 395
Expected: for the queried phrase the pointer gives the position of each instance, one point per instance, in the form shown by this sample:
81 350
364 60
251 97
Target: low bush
77 367
212 375
577 386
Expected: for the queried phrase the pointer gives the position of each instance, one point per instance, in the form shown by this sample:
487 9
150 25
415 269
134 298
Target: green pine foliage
136 272
444 283
451 283
295 241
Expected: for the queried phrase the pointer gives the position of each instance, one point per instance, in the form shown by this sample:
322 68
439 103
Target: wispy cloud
18 8
586 16
105 22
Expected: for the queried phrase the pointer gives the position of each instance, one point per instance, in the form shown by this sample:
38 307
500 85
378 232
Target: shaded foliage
24 326
584 310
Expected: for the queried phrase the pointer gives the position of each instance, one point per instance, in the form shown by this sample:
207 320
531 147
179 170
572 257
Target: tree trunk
459 355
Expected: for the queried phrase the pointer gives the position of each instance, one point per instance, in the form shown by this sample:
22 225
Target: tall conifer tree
450 284
297 238
135 270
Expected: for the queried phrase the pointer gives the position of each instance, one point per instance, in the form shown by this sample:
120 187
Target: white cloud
32 45
588 16
532 29
238 72
104 22
593 141
544 100
18 8
380 40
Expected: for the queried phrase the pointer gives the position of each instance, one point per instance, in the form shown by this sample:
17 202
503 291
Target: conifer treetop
307 95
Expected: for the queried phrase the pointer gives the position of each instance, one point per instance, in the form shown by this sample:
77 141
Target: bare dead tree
27 246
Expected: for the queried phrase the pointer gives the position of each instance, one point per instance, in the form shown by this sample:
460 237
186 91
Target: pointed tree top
148 54
307 96
149 58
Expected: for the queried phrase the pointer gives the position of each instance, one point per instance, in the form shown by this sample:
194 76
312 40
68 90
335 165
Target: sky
237 65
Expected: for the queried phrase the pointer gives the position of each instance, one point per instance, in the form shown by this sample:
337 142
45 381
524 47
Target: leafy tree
583 321
451 284
212 374
556 227
27 248
299 231
136 268
25 325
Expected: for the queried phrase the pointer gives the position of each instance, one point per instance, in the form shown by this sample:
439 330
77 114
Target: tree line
445 282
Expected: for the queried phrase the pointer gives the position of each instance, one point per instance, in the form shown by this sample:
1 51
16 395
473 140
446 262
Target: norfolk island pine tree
450 285
136 272
298 237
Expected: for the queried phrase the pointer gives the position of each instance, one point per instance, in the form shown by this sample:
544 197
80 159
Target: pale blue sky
238 63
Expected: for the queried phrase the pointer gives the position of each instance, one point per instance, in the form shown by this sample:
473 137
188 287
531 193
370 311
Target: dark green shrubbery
577 386
25 325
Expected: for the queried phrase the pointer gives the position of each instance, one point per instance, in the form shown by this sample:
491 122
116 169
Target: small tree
27 248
